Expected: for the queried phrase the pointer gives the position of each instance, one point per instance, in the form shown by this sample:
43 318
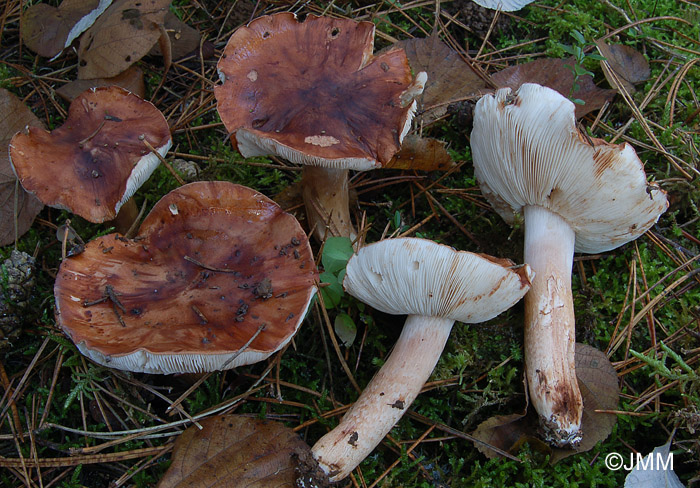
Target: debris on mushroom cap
528 151
98 158
214 265
420 277
313 93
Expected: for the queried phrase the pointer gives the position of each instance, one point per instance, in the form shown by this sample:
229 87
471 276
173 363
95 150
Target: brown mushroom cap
97 159
212 264
313 93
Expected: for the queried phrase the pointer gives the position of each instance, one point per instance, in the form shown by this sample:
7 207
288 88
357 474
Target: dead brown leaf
183 38
47 30
422 154
14 116
450 78
629 65
598 383
120 37
232 450
131 80
506 432
553 73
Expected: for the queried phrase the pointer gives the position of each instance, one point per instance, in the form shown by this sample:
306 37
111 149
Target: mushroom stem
550 327
327 202
386 397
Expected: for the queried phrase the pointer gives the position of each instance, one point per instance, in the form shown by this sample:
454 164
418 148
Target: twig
177 177
5 381
85 459
112 296
20 385
206 266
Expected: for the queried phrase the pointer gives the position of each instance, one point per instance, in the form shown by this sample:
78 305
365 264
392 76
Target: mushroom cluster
219 276
575 193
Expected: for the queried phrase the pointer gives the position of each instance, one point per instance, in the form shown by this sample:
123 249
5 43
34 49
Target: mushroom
435 285
98 158
314 94
218 276
575 193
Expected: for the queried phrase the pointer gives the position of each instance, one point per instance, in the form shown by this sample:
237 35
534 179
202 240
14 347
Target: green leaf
581 71
566 49
578 101
397 219
345 328
578 36
332 295
328 277
336 252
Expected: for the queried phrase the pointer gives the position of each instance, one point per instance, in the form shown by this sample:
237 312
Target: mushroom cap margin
420 277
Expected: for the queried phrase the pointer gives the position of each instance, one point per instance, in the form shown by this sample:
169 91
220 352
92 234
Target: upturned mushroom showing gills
313 93
218 276
574 193
434 285
98 158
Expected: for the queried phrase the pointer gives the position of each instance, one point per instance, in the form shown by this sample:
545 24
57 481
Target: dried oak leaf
450 78
47 30
183 38
423 154
554 73
131 80
231 450
14 116
120 37
629 65
506 432
598 383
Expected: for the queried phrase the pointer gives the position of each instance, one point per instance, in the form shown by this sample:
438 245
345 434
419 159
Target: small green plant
335 256
688 379
83 381
577 50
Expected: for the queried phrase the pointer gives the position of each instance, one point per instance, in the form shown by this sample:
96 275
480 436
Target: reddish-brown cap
97 159
214 265
313 93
